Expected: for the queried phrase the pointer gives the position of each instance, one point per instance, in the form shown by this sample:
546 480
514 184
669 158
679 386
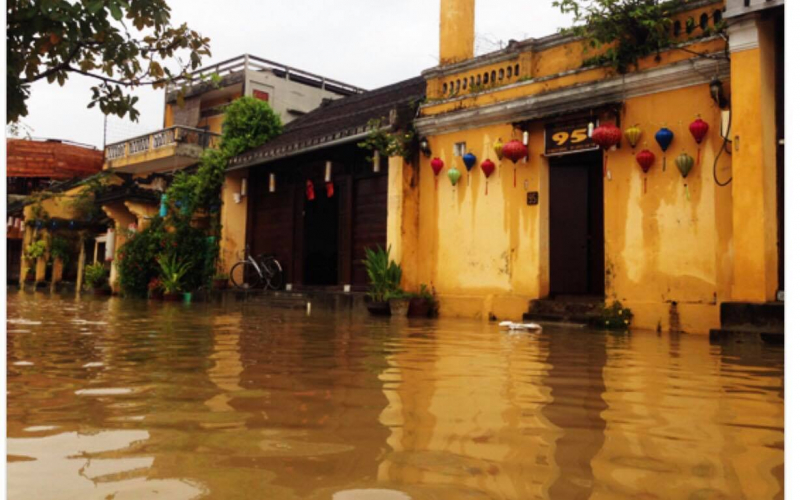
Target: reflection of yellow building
671 253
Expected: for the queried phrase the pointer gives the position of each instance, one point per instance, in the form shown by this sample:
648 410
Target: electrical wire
725 149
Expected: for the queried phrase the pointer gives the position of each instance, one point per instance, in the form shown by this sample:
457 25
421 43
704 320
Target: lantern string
664 164
487 186
698 156
686 188
645 184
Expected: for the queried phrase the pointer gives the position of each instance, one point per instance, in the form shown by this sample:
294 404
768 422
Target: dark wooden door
271 221
369 221
576 226
779 117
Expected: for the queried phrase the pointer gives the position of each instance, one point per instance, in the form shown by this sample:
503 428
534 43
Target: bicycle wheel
245 276
274 275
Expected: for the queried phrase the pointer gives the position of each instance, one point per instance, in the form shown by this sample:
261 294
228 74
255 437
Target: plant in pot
422 303
398 303
33 253
96 279
384 280
172 273
220 280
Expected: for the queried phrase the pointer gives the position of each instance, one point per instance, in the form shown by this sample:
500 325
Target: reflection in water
129 399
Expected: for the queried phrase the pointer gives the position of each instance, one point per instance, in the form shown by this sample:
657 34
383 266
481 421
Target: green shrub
172 272
95 275
60 248
36 250
615 317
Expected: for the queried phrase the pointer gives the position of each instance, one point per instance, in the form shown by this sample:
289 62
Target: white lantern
111 244
271 183
328 169
243 188
376 161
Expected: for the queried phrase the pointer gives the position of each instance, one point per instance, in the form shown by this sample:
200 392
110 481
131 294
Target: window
460 149
261 95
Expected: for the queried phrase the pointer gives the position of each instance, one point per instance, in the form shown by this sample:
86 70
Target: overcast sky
368 43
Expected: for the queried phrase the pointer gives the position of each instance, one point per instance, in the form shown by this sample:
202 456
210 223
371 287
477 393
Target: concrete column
403 219
754 188
81 263
456 31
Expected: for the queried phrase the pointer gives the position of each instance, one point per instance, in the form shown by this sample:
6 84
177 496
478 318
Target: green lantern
454 174
685 163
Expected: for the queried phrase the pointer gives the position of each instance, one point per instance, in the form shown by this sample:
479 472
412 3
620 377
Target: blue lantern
162 210
664 139
72 224
469 161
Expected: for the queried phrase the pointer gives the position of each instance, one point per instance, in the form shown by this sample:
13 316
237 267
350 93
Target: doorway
321 239
577 253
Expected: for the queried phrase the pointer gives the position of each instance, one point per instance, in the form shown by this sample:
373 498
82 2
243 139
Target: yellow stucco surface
488 253
233 218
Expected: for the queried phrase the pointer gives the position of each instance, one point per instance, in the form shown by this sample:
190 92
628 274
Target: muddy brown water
117 399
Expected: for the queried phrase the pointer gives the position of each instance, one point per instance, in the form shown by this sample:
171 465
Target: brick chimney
456 31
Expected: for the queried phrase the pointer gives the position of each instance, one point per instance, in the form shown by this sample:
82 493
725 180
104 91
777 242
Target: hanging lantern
10 222
328 171
698 129
376 161
515 150
685 163
437 165
469 162
271 183
664 139
606 136
488 167
19 224
243 187
162 210
645 159
309 190
454 175
498 149
329 190
633 134
111 244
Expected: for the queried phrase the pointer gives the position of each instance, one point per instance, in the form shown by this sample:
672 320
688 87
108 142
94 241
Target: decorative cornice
736 8
578 97
743 33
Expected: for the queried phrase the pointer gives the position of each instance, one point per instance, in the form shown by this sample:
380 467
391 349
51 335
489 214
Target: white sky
369 43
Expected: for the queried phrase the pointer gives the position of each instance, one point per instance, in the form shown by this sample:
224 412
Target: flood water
119 399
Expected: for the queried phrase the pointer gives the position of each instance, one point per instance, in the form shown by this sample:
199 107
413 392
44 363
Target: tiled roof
340 120
51 159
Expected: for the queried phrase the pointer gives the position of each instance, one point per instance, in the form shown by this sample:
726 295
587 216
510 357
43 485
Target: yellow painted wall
754 170
233 218
456 31
489 253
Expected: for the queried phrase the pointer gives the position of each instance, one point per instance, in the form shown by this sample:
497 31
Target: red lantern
515 150
606 136
645 159
329 189
437 165
698 129
488 167
309 190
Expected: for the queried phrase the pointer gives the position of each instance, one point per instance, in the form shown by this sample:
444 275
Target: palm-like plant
172 272
384 275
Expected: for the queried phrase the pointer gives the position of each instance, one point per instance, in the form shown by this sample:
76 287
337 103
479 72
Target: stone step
748 333
583 310
734 314
562 319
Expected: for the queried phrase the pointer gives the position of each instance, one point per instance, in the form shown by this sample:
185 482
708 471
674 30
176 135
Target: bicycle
253 272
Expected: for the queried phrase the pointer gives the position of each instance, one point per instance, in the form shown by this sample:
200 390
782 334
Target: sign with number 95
562 138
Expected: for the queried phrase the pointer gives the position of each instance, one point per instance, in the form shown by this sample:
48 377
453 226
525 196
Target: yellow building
559 224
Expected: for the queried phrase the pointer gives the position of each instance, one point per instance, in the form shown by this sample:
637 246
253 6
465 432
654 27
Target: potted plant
172 272
96 279
220 281
421 304
384 280
398 303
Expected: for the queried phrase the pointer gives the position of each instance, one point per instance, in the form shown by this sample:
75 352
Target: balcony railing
160 139
253 63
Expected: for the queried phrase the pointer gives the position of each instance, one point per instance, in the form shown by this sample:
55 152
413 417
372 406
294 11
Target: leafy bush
615 317
36 250
384 275
60 248
95 275
137 260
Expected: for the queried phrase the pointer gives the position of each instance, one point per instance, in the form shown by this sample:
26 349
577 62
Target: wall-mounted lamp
271 183
243 188
328 170
718 93
425 147
376 161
